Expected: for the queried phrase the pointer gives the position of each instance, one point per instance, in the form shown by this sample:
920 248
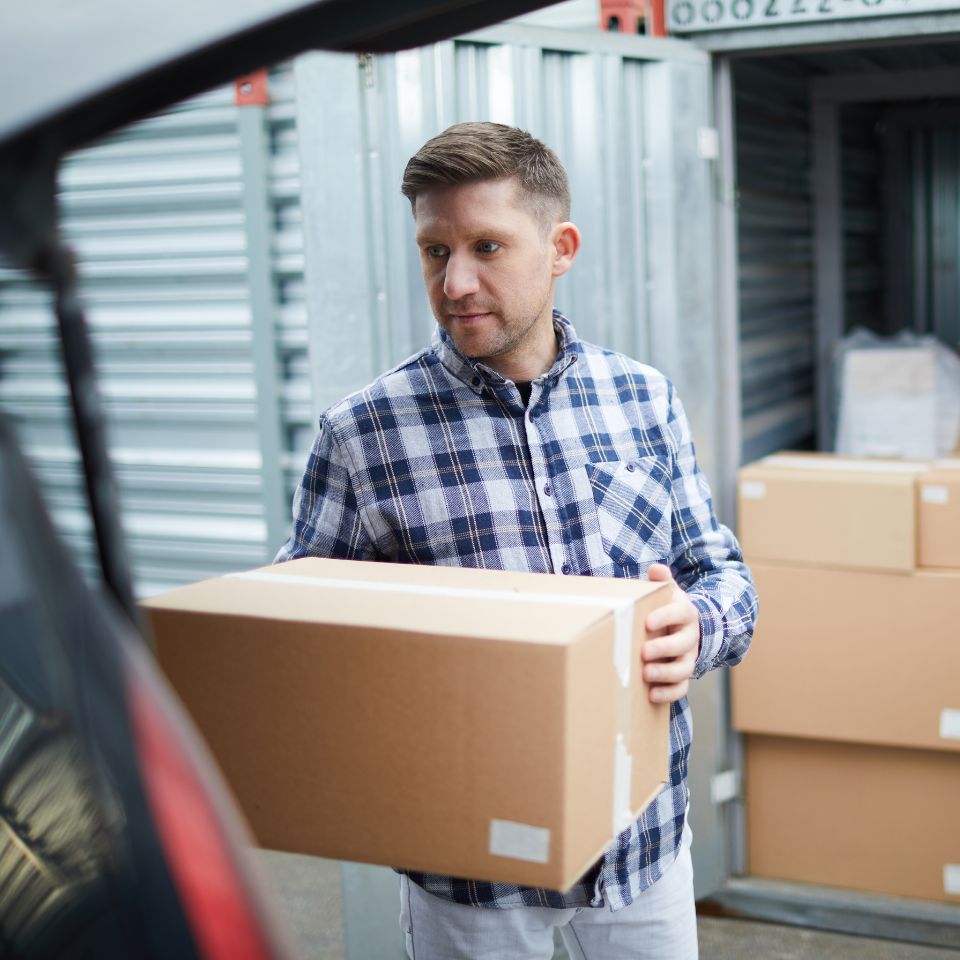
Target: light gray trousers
661 924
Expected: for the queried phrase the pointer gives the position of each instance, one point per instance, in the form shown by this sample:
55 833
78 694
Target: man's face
489 266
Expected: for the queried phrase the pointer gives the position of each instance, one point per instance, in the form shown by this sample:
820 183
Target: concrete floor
307 895
722 939
308 892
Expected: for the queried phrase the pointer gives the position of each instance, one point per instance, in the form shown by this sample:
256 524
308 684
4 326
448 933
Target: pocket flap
633 499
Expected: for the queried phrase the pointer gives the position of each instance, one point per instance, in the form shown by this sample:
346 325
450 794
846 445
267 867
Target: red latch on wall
251 90
634 16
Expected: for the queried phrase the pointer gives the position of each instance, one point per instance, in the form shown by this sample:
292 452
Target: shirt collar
476 374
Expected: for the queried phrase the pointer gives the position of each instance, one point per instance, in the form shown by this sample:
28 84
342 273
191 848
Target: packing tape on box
623 641
622 787
623 655
622 608
950 724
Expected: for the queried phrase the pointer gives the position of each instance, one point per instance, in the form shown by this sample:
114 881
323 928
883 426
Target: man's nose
460 279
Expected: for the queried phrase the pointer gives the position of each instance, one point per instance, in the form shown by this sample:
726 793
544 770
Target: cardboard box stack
850 696
482 724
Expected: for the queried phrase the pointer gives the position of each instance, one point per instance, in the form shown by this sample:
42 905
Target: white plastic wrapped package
898 396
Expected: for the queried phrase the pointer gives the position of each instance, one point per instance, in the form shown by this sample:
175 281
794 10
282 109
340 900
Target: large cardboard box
475 723
877 819
844 655
829 511
938 515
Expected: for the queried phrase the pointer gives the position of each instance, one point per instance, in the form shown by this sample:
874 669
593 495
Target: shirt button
565 569
476 381
631 467
547 489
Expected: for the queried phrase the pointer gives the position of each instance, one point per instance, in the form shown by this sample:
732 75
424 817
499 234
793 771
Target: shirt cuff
711 633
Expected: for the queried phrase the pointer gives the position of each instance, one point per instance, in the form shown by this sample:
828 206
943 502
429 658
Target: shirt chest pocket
633 509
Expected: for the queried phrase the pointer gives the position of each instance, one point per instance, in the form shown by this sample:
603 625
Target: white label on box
951 879
934 493
623 641
622 782
519 841
950 724
753 489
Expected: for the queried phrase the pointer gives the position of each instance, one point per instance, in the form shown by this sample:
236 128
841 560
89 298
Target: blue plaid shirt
440 462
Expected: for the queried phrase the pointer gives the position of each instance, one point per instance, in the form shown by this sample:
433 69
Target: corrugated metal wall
775 239
901 218
943 223
551 94
925 216
287 264
623 114
157 216
861 172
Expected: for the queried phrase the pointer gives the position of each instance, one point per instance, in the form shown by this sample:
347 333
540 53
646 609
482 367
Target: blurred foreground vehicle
117 836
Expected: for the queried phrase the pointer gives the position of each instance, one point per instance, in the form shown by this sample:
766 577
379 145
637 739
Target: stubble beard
509 336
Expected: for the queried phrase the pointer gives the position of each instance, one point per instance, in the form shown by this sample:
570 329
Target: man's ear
564 243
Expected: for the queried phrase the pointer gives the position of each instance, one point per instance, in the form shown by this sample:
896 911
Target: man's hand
668 661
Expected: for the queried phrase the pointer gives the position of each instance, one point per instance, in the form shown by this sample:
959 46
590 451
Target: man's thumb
659 572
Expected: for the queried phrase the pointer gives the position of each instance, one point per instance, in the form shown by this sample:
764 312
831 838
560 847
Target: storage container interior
898 205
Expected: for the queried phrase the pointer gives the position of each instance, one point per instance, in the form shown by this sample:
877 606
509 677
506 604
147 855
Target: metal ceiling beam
891 85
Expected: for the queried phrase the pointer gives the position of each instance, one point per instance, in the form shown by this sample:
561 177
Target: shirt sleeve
326 516
706 558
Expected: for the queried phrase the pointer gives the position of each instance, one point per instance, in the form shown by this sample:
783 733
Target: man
510 443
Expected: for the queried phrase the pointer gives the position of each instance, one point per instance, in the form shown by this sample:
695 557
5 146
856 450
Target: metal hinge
708 143
365 62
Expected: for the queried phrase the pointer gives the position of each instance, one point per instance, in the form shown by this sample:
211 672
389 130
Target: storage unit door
198 323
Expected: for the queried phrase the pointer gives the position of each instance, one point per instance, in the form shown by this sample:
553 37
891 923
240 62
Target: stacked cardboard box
938 515
850 696
476 723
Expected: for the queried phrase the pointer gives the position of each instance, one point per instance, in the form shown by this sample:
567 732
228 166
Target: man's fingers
659 573
669 693
675 614
669 646
671 671
669 660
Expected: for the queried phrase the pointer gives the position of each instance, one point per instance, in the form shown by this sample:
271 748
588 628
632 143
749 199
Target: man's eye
436 251
488 246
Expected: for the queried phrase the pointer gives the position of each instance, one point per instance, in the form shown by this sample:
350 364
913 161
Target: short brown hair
474 152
